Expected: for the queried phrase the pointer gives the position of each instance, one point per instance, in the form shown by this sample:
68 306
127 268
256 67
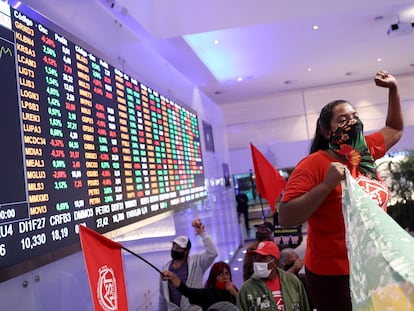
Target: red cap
267 248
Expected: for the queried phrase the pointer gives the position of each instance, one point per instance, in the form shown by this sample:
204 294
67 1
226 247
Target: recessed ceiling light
17 5
216 41
315 27
309 69
240 79
379 59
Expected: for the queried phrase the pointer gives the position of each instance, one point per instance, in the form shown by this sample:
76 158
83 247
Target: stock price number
102 222
34 241
6 214
3 250
60 234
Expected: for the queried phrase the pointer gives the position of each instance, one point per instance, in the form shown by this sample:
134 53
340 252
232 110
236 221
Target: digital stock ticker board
82 143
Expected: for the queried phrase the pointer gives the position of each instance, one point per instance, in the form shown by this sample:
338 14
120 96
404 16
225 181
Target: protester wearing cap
271 288
264 232
183 242
189 268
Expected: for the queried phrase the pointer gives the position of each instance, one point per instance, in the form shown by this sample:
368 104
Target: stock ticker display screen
82 143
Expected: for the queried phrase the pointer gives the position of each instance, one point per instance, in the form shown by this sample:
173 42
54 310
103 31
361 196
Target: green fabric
380 252
348 142
254 295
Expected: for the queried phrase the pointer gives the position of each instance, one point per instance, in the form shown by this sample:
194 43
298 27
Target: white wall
285 138
288 154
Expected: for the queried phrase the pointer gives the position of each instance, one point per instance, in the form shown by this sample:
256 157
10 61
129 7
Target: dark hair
223 306
188 244
285 255
215 270
322 124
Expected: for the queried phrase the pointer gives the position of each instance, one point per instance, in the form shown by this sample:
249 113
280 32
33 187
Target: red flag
269 183
105 271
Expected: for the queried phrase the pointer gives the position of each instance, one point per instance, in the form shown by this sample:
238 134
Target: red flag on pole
105 271
269 183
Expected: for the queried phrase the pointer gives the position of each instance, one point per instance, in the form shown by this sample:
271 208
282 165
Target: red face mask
221 285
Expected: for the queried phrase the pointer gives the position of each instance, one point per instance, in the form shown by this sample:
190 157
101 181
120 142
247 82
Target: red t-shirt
276 289
326 252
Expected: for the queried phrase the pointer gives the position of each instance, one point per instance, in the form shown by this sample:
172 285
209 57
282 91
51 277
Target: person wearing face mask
219 286
264 232
189 269
290 262
313 192
270 288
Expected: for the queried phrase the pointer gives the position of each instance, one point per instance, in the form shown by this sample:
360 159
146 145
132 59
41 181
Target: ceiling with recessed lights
270 45
236 50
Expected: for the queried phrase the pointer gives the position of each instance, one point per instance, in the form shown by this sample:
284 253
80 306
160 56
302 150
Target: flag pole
261 205
143 259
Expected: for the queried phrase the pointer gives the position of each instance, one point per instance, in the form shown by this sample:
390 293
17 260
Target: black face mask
260 236
177 255
349 143
288 266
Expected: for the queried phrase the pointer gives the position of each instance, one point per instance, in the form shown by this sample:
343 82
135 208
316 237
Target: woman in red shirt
313 192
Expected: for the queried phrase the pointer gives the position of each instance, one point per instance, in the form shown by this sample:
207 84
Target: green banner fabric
380 252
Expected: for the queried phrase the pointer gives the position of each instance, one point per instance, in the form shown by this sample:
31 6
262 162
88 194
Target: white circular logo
377 190
106 289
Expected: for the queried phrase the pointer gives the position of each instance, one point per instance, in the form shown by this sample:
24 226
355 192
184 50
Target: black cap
266 224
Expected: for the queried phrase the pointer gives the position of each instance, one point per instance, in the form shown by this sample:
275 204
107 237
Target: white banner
380 252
